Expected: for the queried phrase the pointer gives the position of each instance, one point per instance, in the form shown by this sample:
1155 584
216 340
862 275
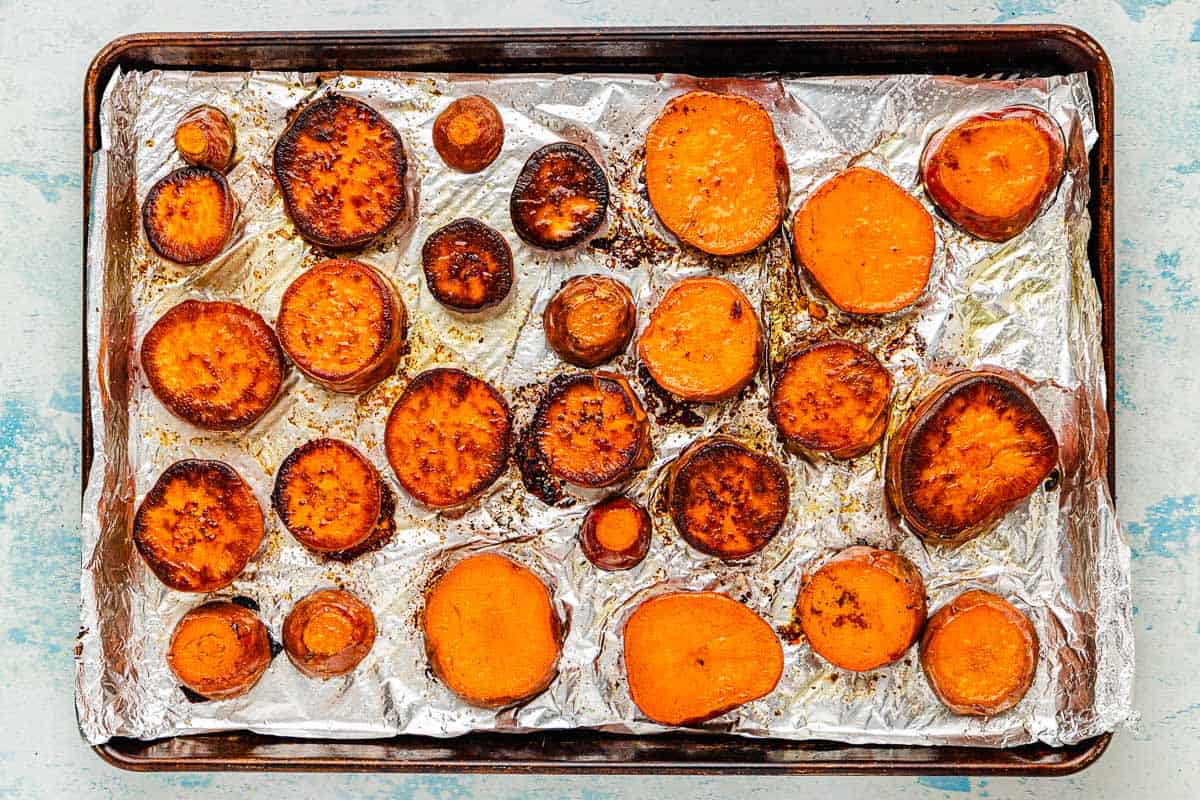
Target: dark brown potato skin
606 558
167 222
468 265
204 137
243 656
590 320
295 482
469 134
557 174
342 606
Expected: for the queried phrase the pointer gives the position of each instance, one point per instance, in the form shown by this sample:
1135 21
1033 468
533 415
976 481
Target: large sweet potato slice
328 633
469 133
590 320
468 265
328 496
188 215
615 534
219 650
560 197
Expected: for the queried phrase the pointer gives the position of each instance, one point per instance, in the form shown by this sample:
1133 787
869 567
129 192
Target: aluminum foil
1029 304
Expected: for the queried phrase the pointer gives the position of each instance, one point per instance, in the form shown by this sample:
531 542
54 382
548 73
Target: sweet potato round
991 174
328 496
491 632
615 534
590 320
863 608
219 650
469 134
198 526
692 656
560 197
979 654
204 137
188 215
468 265
969 452
217 365
328 633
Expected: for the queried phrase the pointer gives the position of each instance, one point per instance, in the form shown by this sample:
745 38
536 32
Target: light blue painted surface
1155 46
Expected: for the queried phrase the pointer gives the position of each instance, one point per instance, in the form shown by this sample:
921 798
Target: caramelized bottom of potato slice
590 320
468 266
219 650
469 134
615 534
188 215
560 198
328 633
328 495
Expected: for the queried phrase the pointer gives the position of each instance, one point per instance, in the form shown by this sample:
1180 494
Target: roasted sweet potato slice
973 449
692 656
715 172
342 324
448 437
198 526
204 137
468 265
832 397
469 133
219 650
328 633
491 632
615 534
591 429
979 654
863 608
992 173
590 320
188 215
560 197
867 243
725 499
328 495
217 365
703 341
341 168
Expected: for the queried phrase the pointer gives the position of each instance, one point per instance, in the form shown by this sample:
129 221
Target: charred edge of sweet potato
294 462
188 215
383 532
328 649
616 555
204 137
469 134
559 173
468 265
241 633
590 320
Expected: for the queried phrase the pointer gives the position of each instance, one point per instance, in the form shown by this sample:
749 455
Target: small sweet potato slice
969 452
867 243
590 320
703 341
615 534
469 133
219 650
217 365
560 197
204 137
188 215
198 526
832 397
715 172
979 654
491 632
992 173
591 429
328 496
468 265
328 633
342 324
341 168
725 499
863 608
448 437
692 656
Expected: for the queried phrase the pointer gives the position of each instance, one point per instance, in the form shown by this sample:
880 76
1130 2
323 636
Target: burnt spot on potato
468 265
560 198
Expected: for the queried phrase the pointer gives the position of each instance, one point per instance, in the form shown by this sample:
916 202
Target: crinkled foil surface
1029 305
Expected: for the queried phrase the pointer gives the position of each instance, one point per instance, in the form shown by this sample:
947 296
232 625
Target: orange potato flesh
328 496
328 633
204 137
468 265
219 650
560 198
615 534
590 320
188 215
469 134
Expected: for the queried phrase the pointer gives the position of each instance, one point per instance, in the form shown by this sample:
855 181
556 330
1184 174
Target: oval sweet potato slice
491 632
991 174
979 654
969 452
188 215
692 656
217 365
560 197
328 496
341 168
725 499
328 633
468 265
198 526
615 534
863 608
715 172
204 137
703 341
832 397
448 437
590 320
219 650
469 134
867 243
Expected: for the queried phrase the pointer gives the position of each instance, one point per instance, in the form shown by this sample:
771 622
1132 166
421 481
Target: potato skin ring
590 320
560 197
328 633
204 137
469 134
329 483
231 668
468 265
594 539
188 215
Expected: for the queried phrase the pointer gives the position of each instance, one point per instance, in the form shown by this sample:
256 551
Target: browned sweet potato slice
832 397
341 168
867 243
328 496
199 526
328 633
715 172
725 499
448 437
204 137
491 632
692 656
863 608
992 173
217 365
468 265
469 133
979 654
966 455
219 650
615 534
560 197
188 215
703 341
590 320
